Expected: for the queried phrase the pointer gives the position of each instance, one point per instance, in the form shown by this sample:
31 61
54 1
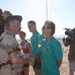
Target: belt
4 64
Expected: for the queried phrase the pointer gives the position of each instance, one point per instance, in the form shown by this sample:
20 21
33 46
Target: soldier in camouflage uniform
10 62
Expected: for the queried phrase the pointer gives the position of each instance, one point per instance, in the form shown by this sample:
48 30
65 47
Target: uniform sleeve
57 50
8 43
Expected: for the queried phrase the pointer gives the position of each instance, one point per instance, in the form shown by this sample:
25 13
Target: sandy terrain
64 69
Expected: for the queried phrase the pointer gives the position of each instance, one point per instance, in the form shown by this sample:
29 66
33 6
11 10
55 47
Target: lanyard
45 48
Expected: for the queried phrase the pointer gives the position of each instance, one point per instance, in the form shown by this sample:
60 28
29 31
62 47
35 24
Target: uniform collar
7 31
35 32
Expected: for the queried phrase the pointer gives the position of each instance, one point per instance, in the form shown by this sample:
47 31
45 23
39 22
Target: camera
71 35
70 32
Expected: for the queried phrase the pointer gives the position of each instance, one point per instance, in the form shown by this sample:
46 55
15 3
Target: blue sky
61 12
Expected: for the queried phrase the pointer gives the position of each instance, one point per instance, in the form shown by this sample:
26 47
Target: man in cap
9 48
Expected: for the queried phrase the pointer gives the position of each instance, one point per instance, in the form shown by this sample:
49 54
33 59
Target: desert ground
64 69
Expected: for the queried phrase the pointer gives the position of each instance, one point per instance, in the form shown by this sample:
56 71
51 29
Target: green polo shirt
36 41
51 51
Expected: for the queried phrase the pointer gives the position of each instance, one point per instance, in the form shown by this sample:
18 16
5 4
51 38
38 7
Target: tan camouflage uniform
7 43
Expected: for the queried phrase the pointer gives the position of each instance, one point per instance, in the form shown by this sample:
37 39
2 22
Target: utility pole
46 9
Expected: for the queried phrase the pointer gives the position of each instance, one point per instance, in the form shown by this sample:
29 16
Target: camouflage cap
14 17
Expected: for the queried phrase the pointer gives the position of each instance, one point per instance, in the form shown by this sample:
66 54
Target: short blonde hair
51 25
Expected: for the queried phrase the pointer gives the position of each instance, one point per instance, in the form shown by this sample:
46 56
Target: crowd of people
43 52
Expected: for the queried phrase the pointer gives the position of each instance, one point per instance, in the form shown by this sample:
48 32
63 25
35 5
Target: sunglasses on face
45 27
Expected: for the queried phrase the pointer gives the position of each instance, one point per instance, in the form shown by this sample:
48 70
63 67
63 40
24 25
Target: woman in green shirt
51 51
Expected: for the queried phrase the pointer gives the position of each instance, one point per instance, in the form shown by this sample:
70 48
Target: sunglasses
45 27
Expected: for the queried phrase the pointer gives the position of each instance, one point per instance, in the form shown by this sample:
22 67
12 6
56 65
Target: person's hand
32 61
16 49
36 56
